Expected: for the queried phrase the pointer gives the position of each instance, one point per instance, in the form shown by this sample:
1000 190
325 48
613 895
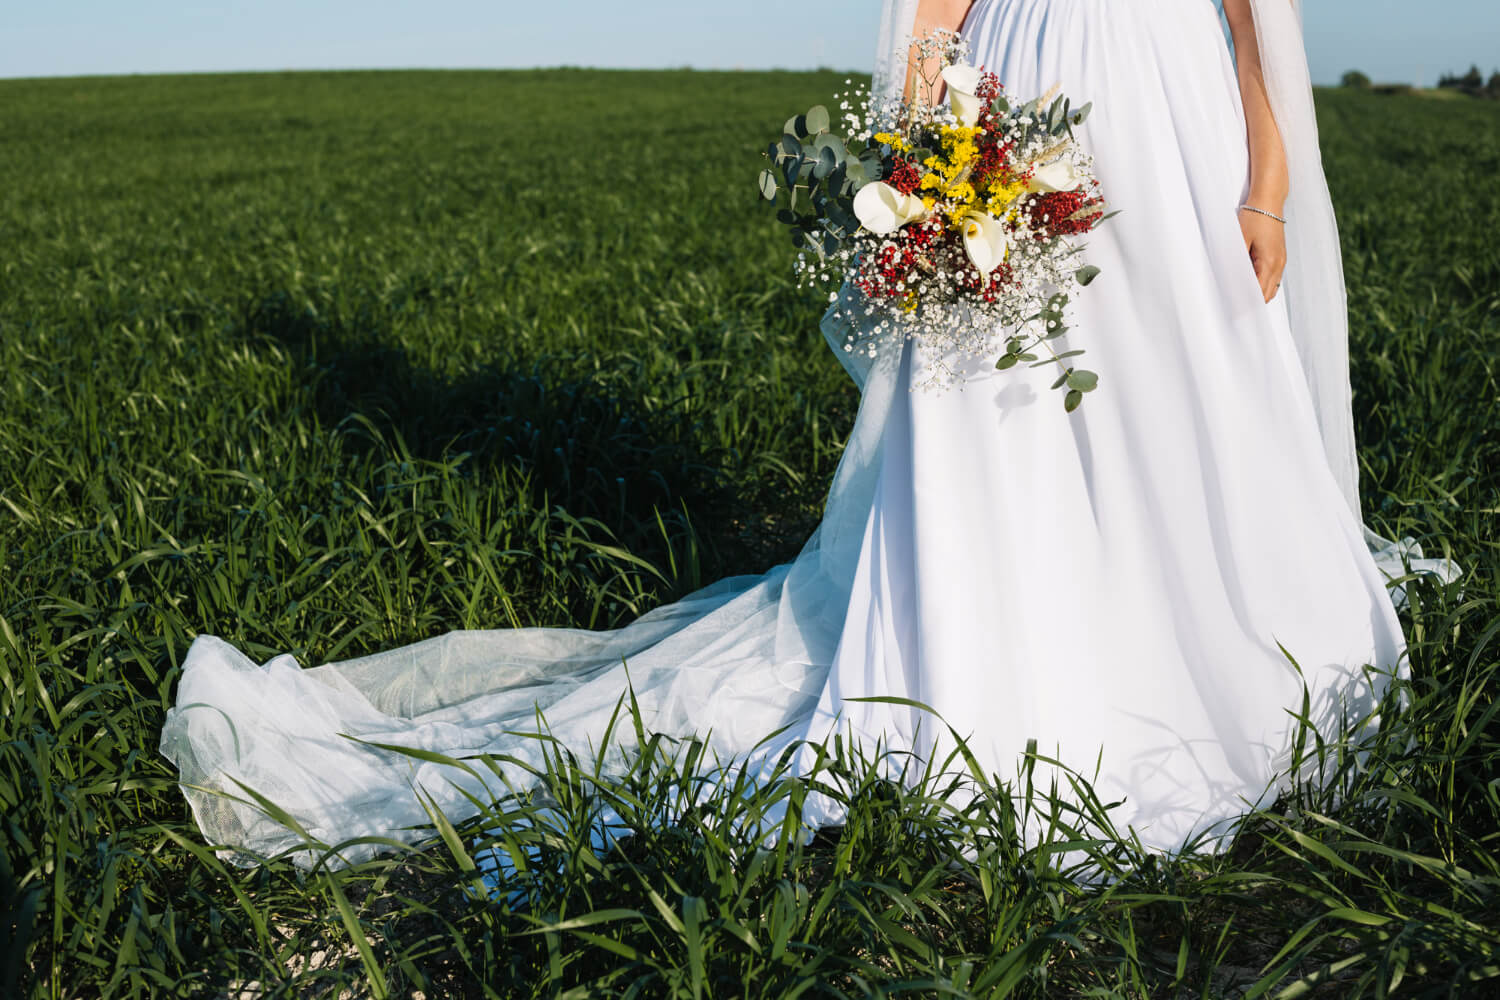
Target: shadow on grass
585 445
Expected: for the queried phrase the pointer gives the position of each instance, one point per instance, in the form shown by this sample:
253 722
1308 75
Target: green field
329 363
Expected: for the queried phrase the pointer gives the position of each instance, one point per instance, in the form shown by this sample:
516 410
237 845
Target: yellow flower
961 199
909 304
1001 195
894 141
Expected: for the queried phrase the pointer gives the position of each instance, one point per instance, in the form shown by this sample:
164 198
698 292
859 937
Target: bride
1145 587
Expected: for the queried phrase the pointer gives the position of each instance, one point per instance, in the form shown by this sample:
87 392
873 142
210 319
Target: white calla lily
985 242
882 209
963 92
1058 175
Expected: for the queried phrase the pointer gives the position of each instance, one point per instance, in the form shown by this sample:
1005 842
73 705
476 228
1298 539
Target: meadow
328 363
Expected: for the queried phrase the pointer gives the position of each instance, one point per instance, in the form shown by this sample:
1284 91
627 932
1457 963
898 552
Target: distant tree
1354 78
1493 87
1472 78
1471 83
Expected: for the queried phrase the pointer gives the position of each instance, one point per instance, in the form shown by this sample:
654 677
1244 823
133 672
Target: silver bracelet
1252 208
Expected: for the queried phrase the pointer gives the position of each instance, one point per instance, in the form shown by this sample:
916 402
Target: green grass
330 363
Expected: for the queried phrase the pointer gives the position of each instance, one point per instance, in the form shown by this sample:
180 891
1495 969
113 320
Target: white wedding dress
1116 584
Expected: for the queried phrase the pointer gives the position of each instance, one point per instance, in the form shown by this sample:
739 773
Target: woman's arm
931 16
1265 238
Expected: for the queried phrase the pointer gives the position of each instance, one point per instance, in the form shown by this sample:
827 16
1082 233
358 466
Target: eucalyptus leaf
826 163
841 217
790 145
816 119
1086 274
1083 380
1072 399
1006 361
768 185
829 141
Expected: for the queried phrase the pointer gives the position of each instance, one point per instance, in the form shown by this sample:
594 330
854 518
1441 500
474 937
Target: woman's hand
1265 239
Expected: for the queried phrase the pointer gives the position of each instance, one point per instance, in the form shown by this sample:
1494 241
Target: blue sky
1395 40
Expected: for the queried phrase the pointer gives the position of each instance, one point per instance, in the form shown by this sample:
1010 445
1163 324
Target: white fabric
891 51
1112 582
1314 281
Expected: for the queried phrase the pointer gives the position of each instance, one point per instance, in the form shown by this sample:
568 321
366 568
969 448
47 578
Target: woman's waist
1095 11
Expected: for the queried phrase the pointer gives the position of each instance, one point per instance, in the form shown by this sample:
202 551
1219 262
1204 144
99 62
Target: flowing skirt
1146 587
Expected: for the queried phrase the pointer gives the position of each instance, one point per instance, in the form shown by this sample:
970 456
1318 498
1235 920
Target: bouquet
957 225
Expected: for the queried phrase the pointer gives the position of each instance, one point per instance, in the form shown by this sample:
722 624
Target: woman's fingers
1265 239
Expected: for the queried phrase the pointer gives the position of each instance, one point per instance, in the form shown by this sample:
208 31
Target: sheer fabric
1314 284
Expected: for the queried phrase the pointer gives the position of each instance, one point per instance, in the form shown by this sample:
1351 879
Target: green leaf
1006 361
361 943
593 919
1086 274
838 178
826 163
1072 399
790 145
1083 380
816 119
768 185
